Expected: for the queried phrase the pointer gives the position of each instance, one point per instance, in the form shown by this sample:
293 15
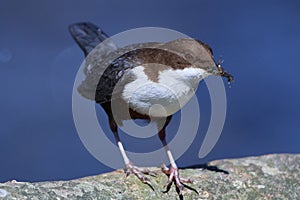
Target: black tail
87 35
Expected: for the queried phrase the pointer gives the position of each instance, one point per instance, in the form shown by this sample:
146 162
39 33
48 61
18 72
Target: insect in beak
224 73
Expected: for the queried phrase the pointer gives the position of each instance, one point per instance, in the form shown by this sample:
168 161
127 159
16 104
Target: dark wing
87 35
119 71
106 86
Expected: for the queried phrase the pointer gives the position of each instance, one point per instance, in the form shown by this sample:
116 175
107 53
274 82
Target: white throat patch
172 91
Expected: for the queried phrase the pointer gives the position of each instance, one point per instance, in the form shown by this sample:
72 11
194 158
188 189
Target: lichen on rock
274 176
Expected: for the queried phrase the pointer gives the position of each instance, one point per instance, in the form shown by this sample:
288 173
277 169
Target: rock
264 177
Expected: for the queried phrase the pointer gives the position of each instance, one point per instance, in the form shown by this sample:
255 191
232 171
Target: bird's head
199 54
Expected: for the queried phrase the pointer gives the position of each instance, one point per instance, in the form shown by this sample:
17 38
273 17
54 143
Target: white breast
172 91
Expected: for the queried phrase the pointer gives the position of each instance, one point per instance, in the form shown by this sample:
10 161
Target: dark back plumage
106 64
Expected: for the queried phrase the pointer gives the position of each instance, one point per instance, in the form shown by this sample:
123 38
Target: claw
168 186
173 177
132 169
190 188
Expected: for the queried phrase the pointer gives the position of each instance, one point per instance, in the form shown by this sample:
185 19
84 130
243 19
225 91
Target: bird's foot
130 168
173 177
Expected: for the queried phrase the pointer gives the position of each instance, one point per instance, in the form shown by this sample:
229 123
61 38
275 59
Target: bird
129 82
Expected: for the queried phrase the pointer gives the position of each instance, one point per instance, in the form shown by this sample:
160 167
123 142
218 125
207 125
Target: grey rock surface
274 176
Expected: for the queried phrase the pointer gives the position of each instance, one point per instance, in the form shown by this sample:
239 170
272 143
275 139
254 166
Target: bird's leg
130 168
172 171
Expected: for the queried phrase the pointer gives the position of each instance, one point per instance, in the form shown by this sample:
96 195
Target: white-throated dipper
149 81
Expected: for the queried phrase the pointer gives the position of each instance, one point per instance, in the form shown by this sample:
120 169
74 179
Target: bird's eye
188 57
